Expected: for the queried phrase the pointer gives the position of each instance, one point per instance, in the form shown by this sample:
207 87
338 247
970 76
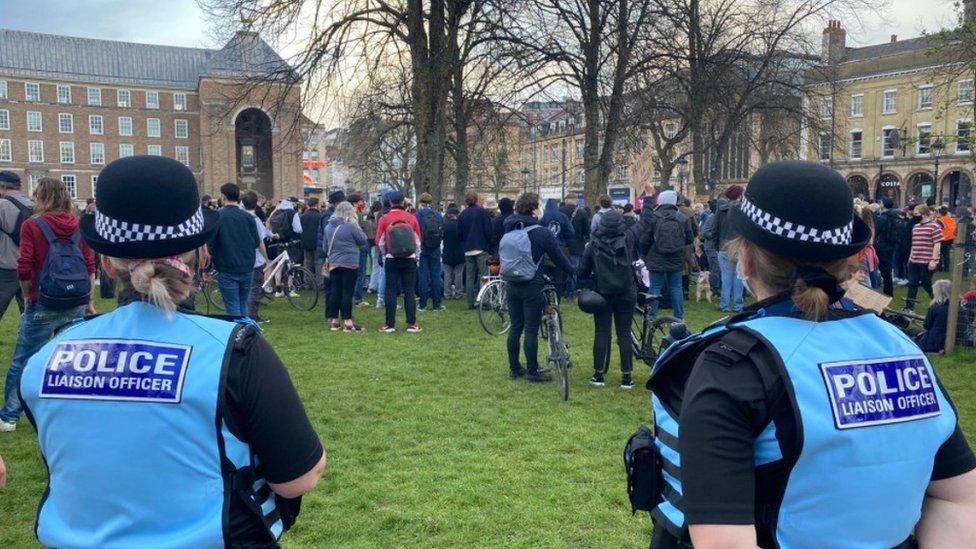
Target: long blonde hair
163 285
51 196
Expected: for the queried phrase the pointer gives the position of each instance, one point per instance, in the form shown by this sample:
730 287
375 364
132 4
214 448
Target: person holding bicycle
525 297
232 248
805 421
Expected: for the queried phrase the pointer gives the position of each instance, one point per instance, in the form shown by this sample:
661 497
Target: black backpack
641 463
669 233
893 229
400 241
281 222
24 212
612 265
432 231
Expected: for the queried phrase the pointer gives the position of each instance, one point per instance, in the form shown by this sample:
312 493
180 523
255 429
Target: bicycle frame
278 265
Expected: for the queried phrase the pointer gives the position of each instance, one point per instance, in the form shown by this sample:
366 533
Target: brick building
68 106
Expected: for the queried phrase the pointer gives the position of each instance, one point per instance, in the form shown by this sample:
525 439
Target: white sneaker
293 293
8 426
279 294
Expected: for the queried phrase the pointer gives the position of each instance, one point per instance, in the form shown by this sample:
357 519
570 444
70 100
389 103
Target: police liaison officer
805 422
162 428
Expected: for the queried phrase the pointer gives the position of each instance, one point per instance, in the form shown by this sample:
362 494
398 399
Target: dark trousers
946 263
10 290
620 312
885 260
475 266
360 285
525 302
341 288
430 282
918 275
254 296
401 277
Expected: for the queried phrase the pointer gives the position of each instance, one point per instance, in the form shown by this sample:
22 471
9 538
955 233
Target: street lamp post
937 147
525 180
682 174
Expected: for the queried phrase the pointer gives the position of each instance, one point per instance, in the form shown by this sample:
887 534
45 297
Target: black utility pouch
642 463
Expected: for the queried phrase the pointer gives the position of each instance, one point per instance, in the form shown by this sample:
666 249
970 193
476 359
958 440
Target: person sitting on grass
932 338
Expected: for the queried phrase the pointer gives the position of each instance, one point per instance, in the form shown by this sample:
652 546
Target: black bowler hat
801 210
147 207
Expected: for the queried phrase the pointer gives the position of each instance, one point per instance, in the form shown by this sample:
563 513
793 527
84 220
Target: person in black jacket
506 206
453 256
888 234
614 280
933 338
576 243
310 228
525 299
663 243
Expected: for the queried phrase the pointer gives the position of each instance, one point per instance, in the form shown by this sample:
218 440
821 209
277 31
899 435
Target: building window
925 98
97 153
66 123
152 99
824 147
154 150
826 107
965 92
95 124
152 127
35 152
125 149
32 91
94 183
179 101
4 119
964 133
183 155
5 154
123 98
64 94
857 104
888 137
125 125
95 96
923 145
854 152
67 152
34 121
3 89
70 183
889 102
181 129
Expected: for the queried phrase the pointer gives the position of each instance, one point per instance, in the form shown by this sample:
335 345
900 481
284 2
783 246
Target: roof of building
70 58
889 48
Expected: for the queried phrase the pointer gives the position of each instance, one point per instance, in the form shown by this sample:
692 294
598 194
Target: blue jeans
234 288
571 280
731 284
37 325
674 288
357 292
429 278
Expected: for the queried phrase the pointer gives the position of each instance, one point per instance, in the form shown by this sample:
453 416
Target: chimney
834 42
894 38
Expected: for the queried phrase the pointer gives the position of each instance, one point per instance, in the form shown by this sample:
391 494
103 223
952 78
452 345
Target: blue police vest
126 411
871 417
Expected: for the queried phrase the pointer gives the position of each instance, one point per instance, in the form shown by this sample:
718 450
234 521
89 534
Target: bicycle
557 356
299 284
207 285
649 332
492 306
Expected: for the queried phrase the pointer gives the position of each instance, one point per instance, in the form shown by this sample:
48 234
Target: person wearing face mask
804 421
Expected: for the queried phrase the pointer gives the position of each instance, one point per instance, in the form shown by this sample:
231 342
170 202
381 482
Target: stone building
895 118
69 105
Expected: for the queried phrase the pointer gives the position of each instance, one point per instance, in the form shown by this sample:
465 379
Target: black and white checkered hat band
787 229
116 231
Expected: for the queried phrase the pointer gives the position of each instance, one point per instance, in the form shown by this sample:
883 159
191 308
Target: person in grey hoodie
12 203
342 241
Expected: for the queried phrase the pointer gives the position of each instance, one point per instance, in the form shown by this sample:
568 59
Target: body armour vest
870 417
126 407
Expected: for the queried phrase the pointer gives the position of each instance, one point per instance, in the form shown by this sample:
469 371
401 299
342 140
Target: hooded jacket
506 207
453 251
581 228
543 243
34 247
657 262
8 222
557 222
612 230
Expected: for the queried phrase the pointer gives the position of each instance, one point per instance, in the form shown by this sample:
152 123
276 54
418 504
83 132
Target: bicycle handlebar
284 244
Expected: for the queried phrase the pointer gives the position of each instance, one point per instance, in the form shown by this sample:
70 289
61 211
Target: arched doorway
957 189
859 186
921 188
889 186
252 133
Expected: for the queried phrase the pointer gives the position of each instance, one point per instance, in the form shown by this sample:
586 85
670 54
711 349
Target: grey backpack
515 254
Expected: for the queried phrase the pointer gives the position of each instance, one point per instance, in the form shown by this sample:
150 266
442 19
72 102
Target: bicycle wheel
558 355
652 344
493 308
215 301
301 289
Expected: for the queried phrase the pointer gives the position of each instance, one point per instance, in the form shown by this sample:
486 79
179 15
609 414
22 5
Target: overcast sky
181 23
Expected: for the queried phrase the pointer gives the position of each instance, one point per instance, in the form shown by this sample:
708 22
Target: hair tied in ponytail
818 277
175 262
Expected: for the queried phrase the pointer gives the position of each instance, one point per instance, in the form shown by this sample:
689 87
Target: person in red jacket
38 323
400 269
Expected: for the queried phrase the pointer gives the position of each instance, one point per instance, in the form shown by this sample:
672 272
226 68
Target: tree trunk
462 158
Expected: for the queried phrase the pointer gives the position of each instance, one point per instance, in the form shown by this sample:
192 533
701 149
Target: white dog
704 287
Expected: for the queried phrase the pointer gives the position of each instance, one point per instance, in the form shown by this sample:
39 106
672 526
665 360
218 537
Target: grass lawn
430 444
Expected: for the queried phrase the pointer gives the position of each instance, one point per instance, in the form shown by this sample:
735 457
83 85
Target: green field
429 443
